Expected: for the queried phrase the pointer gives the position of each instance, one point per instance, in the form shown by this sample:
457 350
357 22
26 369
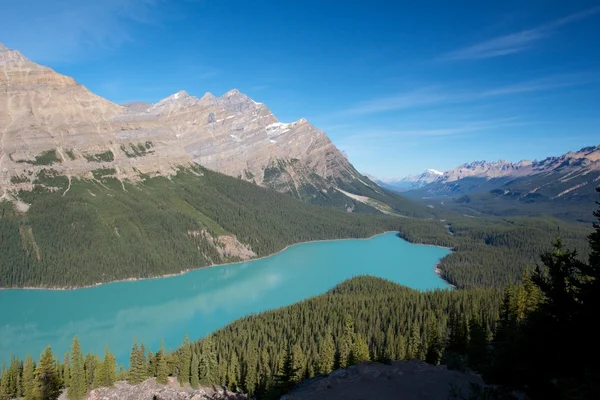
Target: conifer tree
162 369
208 362
151 364
109 366
326 354
289 372
46 377
414 343
77 388
345 344
477 350
138 369
5 393
298 363
30 390
400 347
185 357
233 372
360 350
436 347
194 373
66 370
90 364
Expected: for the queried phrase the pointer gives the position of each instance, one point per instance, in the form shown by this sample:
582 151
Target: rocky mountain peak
44 112
208 97
236 101
175 102
8 56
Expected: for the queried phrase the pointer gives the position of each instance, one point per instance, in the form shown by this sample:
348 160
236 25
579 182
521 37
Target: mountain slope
563 186
49 119
101 229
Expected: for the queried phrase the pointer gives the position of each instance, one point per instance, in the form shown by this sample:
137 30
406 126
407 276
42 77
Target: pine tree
250 370
345 344
290 369
265 371
360 351
436 347
414 343
30 390
66 370
151 364
194 373
5 393
46 376
109 366
208 362
477 350
90 364
233 372
298 363
326 354
99 375
185 357
138 369
400 347
77 388
162 370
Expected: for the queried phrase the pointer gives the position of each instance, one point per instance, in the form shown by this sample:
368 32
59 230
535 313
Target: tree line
105 230
536 336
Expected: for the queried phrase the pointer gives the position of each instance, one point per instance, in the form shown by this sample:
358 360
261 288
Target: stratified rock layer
41 110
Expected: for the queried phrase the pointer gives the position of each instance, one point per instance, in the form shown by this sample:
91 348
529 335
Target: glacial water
203 300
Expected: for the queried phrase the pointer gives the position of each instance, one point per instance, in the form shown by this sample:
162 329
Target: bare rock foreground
413 380
151 390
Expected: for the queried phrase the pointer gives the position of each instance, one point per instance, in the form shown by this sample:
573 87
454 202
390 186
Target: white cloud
435 96
515 42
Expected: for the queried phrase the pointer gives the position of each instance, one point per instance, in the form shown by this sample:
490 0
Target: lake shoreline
183 272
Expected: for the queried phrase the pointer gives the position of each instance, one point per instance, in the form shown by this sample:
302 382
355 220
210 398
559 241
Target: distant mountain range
410 182
563 186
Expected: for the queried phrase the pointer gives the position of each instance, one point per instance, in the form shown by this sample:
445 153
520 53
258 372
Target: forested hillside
82 232
365 318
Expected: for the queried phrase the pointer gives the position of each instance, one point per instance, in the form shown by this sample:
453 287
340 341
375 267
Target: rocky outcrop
413 380
42 110
151 390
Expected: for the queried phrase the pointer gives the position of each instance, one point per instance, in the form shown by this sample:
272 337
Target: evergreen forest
104 229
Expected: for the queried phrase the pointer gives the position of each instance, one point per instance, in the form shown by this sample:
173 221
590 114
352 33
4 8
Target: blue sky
399 87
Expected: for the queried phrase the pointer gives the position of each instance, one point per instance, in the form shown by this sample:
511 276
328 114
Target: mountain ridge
556 184
49 121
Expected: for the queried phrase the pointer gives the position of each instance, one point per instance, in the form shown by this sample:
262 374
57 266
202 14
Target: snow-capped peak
434 171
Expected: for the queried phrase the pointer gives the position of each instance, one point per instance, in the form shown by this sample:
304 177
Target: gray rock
413 380
151 390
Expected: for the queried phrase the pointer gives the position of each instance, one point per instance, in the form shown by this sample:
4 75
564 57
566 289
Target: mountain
49 121
411 182
92 191
562 186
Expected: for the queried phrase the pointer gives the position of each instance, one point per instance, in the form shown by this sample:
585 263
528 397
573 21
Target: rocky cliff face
49 121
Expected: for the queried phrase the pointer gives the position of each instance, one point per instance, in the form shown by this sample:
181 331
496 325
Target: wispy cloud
384 137
515 42
50 32
439 95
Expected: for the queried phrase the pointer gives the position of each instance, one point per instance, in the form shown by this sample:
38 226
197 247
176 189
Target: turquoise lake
203 300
